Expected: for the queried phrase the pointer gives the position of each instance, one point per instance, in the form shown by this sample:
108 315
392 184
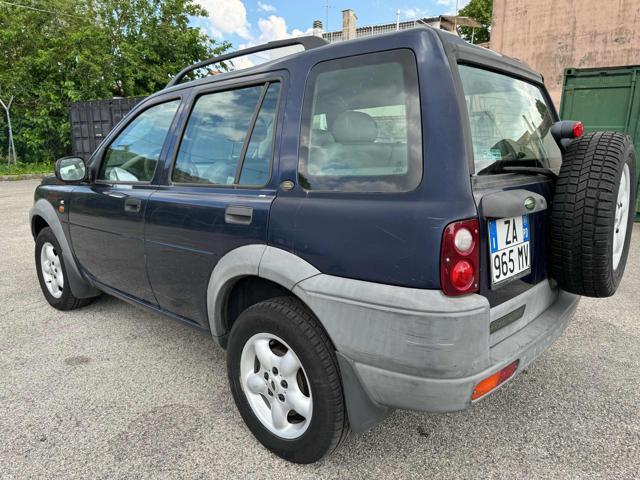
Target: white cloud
452 5
265 7
275 28
414 12
226 16
299 33
272 28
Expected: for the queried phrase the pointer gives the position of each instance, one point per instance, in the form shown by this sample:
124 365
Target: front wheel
285 381
52 273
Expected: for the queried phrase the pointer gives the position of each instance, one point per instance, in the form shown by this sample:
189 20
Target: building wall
551 35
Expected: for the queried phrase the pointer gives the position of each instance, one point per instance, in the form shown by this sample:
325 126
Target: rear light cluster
460 258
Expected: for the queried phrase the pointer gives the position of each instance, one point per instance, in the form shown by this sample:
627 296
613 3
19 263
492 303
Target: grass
22 168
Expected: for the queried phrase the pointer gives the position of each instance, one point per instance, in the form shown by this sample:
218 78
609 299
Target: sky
251 22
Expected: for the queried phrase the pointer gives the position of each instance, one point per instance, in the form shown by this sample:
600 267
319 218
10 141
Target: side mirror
71 169
565 131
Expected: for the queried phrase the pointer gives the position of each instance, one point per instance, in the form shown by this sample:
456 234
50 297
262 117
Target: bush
24 168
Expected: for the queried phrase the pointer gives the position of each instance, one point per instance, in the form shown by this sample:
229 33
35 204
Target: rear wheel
592 214
52 273
284 378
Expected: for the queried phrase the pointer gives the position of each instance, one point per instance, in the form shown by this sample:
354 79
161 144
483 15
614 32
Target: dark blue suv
399 221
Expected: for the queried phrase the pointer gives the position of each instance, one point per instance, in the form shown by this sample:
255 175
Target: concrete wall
551 35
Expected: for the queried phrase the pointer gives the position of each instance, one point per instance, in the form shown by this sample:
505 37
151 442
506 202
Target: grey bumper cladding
420 350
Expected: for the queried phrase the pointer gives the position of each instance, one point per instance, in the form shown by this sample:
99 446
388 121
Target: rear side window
361 125
133 155
228 139
510 122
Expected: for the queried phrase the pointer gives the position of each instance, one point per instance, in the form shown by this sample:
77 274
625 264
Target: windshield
510 122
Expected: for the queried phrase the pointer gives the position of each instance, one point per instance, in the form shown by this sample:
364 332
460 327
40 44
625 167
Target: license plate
510 252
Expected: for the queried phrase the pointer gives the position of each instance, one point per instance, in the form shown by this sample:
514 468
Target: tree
72 50
481 11
11 151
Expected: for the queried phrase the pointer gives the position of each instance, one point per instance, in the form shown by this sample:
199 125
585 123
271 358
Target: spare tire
592 214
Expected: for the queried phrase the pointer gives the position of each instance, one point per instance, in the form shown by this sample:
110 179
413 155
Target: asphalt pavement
112 391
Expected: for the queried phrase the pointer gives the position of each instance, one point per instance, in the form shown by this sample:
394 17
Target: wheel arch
37 224
43 215
247 275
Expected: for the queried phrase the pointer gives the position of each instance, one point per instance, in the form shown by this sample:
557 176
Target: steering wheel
147 168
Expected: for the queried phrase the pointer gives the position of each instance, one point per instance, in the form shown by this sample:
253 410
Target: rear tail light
566 130
578 129
460 258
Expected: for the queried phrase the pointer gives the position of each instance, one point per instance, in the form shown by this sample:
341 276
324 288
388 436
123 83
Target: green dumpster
604 99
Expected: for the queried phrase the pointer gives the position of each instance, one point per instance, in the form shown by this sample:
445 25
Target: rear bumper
420 350
451 394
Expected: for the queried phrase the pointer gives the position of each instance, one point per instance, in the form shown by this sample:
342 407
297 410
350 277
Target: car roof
454 46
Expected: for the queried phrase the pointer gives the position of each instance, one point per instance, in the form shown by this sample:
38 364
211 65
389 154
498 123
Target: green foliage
481 11
22 168
81 53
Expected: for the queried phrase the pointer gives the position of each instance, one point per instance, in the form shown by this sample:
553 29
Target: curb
23 176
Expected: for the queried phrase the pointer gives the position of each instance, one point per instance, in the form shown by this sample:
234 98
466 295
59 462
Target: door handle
132 205
238 215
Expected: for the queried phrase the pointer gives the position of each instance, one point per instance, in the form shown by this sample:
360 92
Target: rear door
216 194
509 123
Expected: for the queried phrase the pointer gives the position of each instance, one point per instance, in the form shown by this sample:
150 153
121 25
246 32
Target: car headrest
354 127
320 138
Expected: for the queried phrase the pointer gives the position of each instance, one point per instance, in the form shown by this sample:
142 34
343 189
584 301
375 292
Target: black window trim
146 105
234 84
305 123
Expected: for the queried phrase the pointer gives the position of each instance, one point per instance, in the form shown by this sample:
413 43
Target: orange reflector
489 383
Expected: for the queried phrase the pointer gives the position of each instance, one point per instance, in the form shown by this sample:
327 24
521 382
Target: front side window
227 140
510 122
133 155
362 129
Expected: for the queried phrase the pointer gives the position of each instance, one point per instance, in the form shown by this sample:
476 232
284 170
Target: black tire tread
581 216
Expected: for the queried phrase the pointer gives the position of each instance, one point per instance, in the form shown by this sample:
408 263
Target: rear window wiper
535 170
507 166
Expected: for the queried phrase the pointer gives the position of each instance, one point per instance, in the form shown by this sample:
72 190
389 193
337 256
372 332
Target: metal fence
91 121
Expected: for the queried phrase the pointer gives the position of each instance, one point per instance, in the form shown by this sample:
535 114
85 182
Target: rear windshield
510 122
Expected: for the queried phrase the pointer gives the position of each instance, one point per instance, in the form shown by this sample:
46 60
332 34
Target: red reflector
578 129
462 275
489 383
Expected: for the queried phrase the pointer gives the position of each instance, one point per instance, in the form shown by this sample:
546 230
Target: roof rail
308 42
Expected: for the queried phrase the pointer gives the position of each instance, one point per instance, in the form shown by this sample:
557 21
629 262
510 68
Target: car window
133 155
257 160
362 129
213 144
509 120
